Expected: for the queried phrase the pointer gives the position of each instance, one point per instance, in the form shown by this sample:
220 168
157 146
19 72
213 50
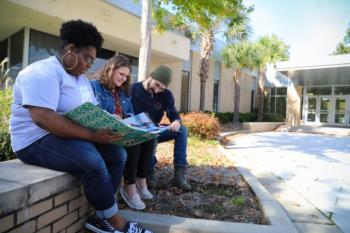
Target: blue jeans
180 146
99 167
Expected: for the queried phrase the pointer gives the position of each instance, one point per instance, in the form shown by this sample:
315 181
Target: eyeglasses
88 58
159 85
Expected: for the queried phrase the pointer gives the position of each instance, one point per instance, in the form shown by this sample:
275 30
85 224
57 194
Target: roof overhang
332 70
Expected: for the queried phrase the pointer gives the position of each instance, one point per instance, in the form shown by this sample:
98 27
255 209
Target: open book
134 130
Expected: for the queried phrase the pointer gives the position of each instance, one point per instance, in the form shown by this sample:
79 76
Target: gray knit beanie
162 74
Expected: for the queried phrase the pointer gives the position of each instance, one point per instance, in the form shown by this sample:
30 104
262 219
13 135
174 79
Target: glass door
319 109
325 106
311 109
340 110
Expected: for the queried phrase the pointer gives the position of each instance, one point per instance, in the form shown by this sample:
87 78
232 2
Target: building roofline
318 63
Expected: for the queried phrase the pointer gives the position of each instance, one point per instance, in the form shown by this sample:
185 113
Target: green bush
273 117
6 152
201 124
248 117
224 117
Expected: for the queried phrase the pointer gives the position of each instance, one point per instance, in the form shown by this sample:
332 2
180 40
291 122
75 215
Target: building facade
318 92
29 32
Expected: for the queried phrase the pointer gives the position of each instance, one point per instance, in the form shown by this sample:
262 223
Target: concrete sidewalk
306 173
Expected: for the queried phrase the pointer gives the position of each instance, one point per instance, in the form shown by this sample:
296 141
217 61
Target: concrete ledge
35 199
222 136
325 130
22 185
255 127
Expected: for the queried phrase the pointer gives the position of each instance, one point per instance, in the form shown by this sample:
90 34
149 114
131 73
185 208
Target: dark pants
138 160
99 167
180 146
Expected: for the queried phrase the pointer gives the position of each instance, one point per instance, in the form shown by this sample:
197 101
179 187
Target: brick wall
34 199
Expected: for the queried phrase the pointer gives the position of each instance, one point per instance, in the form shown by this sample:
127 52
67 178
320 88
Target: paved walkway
302 171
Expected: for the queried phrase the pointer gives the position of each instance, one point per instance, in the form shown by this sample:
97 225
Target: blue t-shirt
44 84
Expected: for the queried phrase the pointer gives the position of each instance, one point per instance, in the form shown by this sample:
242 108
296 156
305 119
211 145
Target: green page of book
94 118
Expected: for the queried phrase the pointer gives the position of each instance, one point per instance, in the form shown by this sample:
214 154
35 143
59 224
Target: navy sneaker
99 225
133 227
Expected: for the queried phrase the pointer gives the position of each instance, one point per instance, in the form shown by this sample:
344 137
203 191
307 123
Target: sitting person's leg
146 152
180 155
115 158
82 159
128 191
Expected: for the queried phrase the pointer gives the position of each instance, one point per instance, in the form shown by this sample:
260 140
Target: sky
312 28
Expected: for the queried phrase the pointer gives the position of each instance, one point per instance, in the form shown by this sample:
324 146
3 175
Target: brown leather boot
180 179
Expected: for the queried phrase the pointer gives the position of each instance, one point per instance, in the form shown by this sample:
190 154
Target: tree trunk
261 88
206 49
237 96
146 39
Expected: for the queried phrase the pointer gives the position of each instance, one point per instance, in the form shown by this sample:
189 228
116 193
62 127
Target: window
185 83
275 100
342 90
41 45
16 53
216 87
319 91
252 101
216 96
3 49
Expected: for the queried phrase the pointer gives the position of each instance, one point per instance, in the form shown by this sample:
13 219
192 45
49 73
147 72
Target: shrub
248 117
6 152
201 124
224 117
273 117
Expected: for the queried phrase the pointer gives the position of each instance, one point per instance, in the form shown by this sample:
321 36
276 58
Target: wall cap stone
22 185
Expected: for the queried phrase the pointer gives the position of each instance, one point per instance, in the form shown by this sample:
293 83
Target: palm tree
238 56
146 39
269 49
343 47
209 18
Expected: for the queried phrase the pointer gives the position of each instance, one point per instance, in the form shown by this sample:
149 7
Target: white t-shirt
44 84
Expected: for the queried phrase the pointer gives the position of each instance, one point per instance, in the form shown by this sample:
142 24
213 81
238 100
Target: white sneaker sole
142 196
126 199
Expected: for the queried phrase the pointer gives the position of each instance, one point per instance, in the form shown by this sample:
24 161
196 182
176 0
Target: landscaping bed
218 190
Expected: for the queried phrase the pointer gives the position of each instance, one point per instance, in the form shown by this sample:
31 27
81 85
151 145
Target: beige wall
120 29
194 83
247 85
294 95
226 89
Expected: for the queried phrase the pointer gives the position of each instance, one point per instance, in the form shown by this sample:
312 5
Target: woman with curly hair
112 93
41 136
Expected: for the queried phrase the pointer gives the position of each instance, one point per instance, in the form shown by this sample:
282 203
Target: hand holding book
104 136
131 131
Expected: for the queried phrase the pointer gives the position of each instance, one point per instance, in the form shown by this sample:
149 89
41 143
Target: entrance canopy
331 70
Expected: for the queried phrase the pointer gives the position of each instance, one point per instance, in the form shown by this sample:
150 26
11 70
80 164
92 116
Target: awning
333 70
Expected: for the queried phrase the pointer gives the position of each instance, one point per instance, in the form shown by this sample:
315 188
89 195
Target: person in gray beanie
153 97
